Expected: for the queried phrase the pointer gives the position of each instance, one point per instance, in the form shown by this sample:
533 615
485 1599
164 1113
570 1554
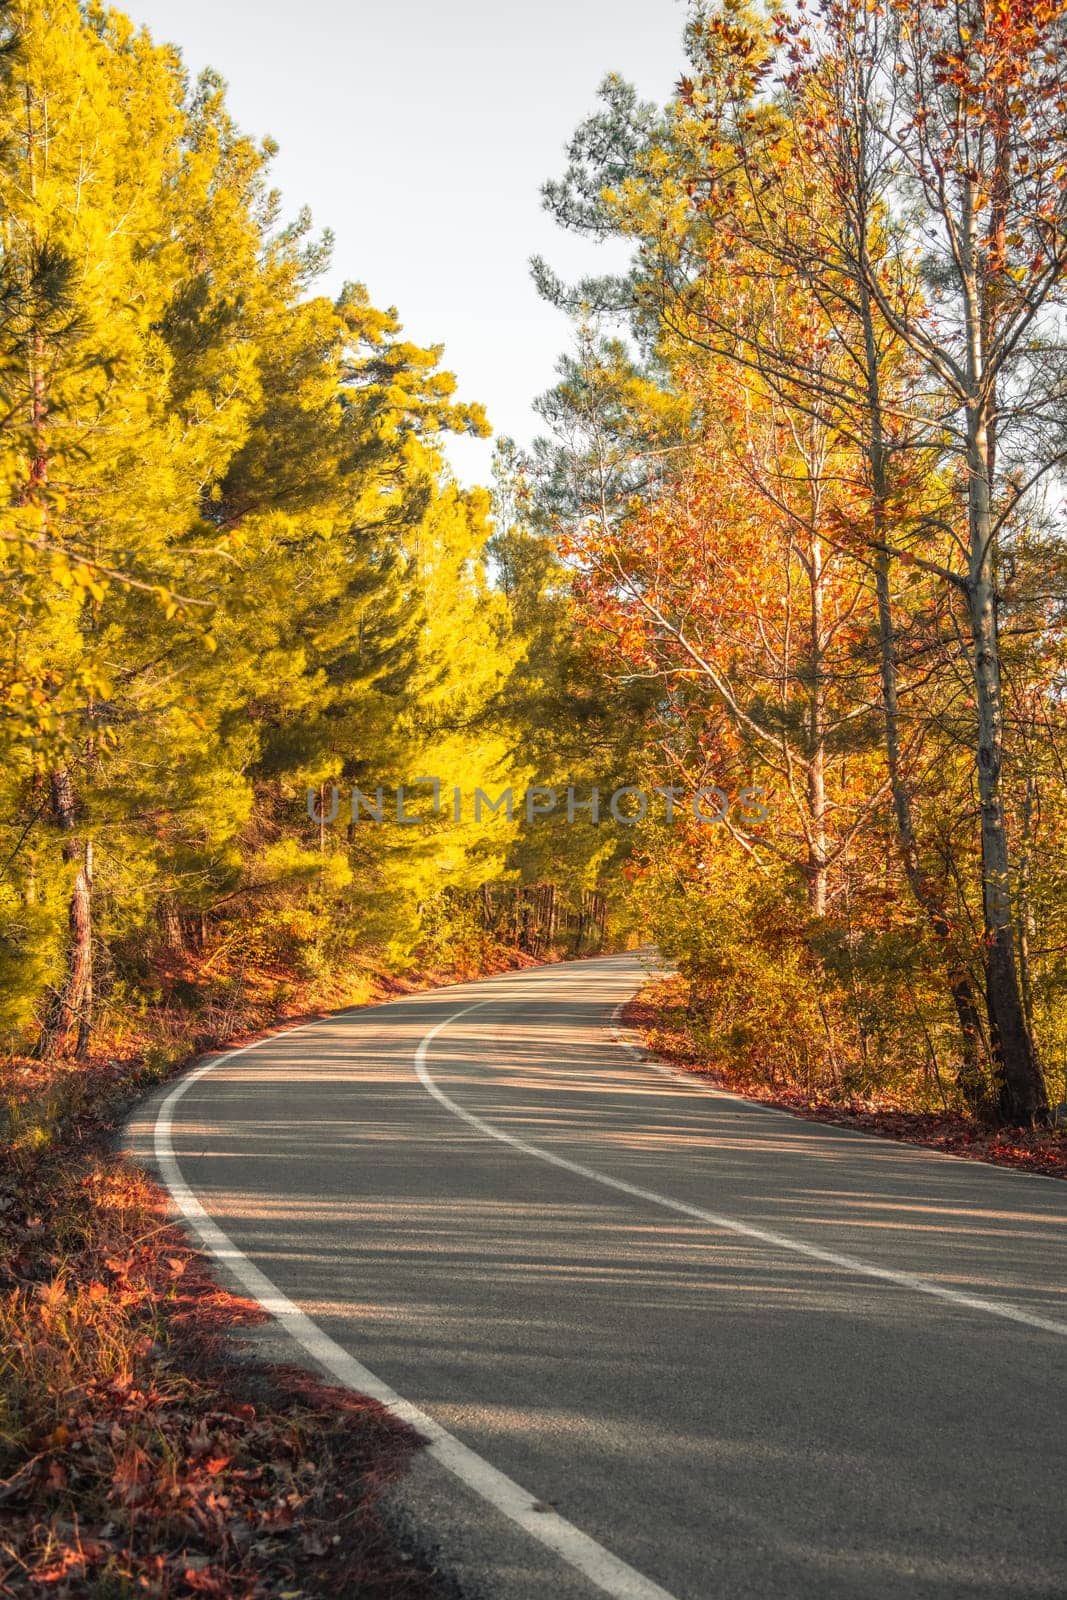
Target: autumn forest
757 654
794 526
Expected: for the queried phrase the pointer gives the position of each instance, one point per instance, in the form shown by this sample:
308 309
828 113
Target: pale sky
420 132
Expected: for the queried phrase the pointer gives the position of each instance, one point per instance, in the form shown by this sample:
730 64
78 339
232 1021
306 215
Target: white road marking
744 1230
605 1571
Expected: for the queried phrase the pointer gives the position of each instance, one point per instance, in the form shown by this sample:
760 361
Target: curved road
673 1344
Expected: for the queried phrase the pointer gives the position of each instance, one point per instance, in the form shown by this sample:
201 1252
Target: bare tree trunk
971 1078
817 753
1024 906
1022 1089
82 939
71 1004
170 923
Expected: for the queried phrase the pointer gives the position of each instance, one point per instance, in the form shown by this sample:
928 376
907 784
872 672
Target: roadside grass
660 1015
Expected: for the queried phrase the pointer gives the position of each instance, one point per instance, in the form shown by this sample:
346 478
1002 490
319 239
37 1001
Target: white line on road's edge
605 1571
745 1230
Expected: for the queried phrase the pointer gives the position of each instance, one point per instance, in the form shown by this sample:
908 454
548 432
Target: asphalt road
738 1353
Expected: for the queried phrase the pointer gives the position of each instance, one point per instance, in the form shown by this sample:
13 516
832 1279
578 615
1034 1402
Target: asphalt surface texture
720 1412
